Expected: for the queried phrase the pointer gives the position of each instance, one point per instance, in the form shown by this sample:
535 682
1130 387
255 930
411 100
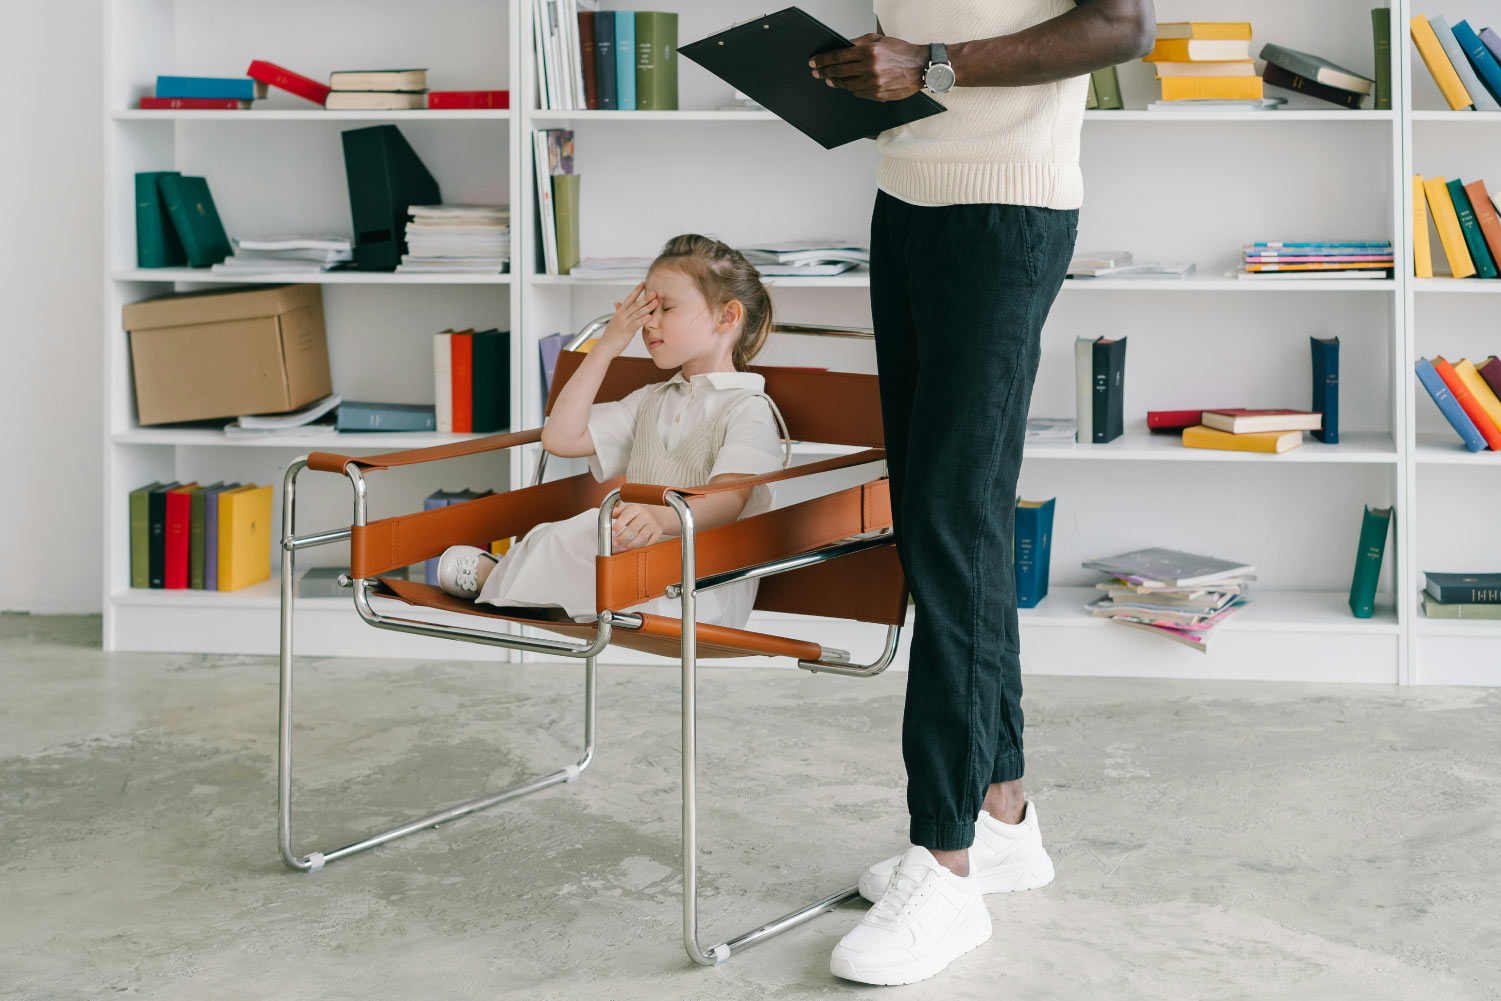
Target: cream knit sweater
1014 145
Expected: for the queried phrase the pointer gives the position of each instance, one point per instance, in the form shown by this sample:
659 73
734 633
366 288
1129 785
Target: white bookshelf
1188 186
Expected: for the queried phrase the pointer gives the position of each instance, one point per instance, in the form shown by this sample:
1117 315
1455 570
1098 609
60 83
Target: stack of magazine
1182 596
286 255
805 258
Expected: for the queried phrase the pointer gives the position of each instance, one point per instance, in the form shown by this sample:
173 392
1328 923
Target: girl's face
683 329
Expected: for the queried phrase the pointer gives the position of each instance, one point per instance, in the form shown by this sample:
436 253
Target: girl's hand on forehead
631 314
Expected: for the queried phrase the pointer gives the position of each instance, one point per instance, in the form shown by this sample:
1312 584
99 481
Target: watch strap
938 52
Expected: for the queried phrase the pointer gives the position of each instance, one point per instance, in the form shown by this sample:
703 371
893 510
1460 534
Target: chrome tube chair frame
830 661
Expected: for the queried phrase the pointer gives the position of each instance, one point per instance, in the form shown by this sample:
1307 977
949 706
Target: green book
192 211
1381 30
1485 267
656 61
157 245
140 535
565 206
1373 528
198 507
1092 99
1107 89
491 381
1435 609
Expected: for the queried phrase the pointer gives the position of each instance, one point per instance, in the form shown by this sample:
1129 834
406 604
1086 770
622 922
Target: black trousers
959 294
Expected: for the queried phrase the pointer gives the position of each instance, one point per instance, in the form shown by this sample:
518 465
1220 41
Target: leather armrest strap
645 493
332 462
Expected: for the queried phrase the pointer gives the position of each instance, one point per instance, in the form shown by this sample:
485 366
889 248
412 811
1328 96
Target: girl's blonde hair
722 275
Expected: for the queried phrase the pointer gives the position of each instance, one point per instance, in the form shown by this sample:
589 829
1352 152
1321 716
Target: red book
1172 420
1466 399
179 525
586 49
294 83
449 100
194 104
463 383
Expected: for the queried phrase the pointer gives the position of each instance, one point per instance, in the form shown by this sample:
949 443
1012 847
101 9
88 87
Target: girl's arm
638 525
566 433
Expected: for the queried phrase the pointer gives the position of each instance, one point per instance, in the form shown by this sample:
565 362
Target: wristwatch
939 76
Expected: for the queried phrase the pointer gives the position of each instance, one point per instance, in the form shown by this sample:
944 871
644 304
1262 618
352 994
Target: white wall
51 139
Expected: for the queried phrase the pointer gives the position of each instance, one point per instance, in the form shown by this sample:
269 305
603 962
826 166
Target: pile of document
806 258
457 238
315 418
1182 596
1118 264
286 255
629 268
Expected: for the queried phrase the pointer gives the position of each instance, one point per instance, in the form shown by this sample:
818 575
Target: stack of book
1100 389
176 222
376 90
1315 76
286 254
605 60
1239 430
1205 61
1465 65
1462 596
1119 264
203 93
806 258
1469 397
1342 259
557 199
354 95
1179 595
457 238
1468 228
472 381
214 537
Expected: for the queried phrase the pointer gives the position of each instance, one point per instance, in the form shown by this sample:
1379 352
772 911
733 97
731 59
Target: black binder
767 60
385 176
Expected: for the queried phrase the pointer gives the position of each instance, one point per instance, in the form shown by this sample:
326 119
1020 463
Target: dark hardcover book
1465 588
1381 31
385 176
1326 386
1373 529
1485 266
656 60
604 58
197 524
1490 371
237 88
767 60
1109 390
492 381
362 416
191 209
1107 89
1288 80
1487 70
157 245
140 535
156 526
586 60
1032 550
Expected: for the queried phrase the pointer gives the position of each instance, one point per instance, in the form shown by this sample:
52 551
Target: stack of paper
286 254
633 268
466 238
806 258
1179 595
293 422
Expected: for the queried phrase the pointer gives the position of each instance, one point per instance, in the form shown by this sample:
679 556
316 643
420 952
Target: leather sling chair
829 556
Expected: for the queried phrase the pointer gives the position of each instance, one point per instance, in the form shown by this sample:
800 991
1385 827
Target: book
178 528
1229 67
364 416
1381 32
1480 257
1368 553
1490 371
140 535
1486 68
1435 609
1462 588
656 61
1485 218
1315 68
384 175
1173 420
1091 99
767 60
1185 50
1108 389
1170 567
588 59
1448 405
156 534
373 100
1422 253
1232 30
491 381
196 527
1479 96
244 537
1450 235
546 218
1032 550
1325 351
1084 389
1179 88
1283 258
195 219
625 59
1276 76
568 40
604 58
386 80
1434 57
443 381
461 372
192 104
293 83
1331 264
1273 442
549 349
157 244
1050 431
224 88
451 100
1239 421
211 535
565 199
1107 86
1484 397
1467 402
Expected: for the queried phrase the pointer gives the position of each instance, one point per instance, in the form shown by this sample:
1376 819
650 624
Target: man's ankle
956 862
1005 802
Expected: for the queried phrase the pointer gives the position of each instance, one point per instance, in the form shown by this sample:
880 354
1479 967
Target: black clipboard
767 60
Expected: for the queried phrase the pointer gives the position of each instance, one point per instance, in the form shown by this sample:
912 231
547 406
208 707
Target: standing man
974 225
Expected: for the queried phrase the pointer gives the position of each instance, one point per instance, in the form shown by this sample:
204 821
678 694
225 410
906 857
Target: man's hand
876 67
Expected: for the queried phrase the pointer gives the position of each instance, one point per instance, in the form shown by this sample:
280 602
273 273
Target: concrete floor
1212 840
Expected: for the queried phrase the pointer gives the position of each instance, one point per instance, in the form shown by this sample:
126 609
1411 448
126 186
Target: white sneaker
460 571
1004 857
927 918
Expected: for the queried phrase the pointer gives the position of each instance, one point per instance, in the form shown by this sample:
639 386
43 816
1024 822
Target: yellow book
1438 64
1232 30
500 547
1195 50
244 537
1449 233
1200 436
1422 254
1184 88
1478 388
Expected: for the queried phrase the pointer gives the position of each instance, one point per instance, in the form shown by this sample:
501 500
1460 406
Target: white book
297 418
556 65
380 80
1215 104
373 100
443 379
544 202
1084 389
460 211
539 45
334 243
1149 269
576 56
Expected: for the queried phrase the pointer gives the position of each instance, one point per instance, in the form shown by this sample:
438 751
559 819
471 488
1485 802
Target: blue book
439 498
1464 588
355 416
604 58
1032 550
240 88
625 60
1448 405
1326 386
1474 239
1486 67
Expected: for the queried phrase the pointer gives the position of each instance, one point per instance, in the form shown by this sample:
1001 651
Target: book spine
1450 235
1031 552
546 217
195 541
1373 531
293 83
1091 96
1422 251
1479 96
604 58
211 540
492 381
1464 594
192 104
157 245
1381 32
1481 61
1481 393
1470 227
625 59
1288 80
1084 390
1486 218
375 417
1109 386
157 538
1326 387
656 61
191 209
140 537
588 60
461 373
565 194
229 88
451 100
1467 403
1173 420
1107 88
1448 406
1490 371
1492 42
1424 37
1435 609
443 382
175 546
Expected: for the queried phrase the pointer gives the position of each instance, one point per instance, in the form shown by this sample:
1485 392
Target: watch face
939 78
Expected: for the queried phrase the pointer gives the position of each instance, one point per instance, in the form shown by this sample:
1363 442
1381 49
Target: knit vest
691 460
1011 145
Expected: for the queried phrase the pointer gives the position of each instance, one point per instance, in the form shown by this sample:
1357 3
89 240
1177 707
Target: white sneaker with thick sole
1004 857
927 918
459 570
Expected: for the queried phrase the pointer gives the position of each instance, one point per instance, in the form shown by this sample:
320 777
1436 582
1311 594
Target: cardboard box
202 355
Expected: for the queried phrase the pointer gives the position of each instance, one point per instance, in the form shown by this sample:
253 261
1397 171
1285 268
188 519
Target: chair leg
720 953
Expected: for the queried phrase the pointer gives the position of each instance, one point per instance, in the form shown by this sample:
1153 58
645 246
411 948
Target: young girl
704 312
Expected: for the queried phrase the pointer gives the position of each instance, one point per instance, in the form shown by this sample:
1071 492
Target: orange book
1185 88
462 345
1262 441
1467 401
1485 215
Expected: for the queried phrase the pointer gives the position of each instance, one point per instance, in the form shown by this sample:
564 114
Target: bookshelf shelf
292 115
1284 611
860 278
686 116
1457 286
1144 446
1459 117
1441 449
206 277
1284 116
